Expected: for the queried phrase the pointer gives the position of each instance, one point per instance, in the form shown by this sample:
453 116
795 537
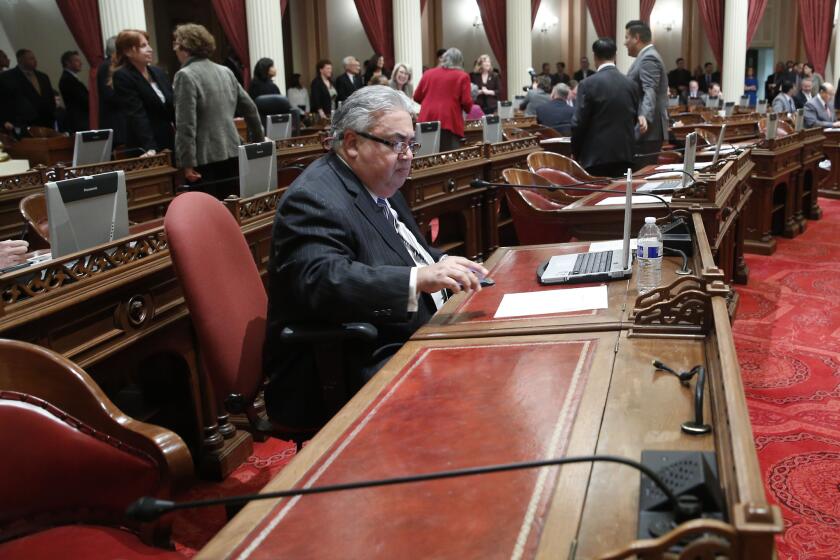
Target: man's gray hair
561 91
347 60
452 58
361 110
110 46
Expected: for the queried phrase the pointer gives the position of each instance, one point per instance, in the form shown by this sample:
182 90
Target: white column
835 67
117 15
734 49
518 44
265 36
408 37
625 10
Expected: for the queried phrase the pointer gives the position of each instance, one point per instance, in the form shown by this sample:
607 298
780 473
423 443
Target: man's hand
452 273
12 252
643 126
191 175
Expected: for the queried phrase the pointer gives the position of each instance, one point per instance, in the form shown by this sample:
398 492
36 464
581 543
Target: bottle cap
650 220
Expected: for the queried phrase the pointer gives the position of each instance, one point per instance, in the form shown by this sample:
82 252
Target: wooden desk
830 188
807 205
43 151
289 150
514 271
462 402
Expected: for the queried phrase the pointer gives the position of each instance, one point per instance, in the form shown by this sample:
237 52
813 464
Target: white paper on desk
665 175
831 129
612 245
552 301
722 151
679 166
637 199
558 140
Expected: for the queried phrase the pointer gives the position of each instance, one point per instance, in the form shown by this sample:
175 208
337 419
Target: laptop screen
688 157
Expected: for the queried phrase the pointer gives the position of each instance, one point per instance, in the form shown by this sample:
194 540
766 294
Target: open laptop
772 125
720 137
744 101
86 212
689 155
712 102
761 106
673 100
506 109
92 146
427 134
799 122
257 168
599 266
492 125
278 127
728 108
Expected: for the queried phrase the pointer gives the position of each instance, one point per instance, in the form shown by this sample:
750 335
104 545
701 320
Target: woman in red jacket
444 95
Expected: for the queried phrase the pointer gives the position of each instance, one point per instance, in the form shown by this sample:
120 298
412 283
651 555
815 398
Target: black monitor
86 212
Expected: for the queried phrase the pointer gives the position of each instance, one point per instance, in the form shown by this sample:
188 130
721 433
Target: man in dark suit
350 81
584 71
560 76
679 77
74 93
28 98
603 126
648 73
818 111
805 93
346 248
557 113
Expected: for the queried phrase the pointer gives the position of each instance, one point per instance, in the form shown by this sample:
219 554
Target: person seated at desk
819 111
346 248
783 102
12 252
557 113
537 96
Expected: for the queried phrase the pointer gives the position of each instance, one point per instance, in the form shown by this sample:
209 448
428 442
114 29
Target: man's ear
349 144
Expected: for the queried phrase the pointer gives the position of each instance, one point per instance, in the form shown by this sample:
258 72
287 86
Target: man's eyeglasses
399 147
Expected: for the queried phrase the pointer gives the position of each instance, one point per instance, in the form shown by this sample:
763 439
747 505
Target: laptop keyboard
592 263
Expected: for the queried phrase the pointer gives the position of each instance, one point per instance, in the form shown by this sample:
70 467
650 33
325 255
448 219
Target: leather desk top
470 402
514 271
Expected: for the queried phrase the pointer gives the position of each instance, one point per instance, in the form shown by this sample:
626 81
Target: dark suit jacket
75 96
22 105
580 75
556 114
603 125
334 259
149 120
345 88
262 87
110 112
488 103
319 96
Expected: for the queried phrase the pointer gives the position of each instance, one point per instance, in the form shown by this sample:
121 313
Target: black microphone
684 507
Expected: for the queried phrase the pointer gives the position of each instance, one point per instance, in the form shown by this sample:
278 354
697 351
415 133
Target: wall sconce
668 25
548 23
477 22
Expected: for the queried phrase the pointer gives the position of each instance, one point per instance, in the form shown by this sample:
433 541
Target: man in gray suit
819 111
648 72
345 248
207 95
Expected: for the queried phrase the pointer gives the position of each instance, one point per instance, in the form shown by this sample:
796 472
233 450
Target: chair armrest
304 334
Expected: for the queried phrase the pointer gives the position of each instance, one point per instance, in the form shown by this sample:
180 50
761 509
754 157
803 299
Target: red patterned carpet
787 333
193 528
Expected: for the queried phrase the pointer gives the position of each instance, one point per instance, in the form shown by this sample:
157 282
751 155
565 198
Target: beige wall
458 31
346 34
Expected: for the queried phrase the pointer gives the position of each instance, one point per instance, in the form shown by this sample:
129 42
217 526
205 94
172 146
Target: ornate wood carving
163 159
256 207
509 147
26 180
709 540
445 158
297 142
53 275
683 307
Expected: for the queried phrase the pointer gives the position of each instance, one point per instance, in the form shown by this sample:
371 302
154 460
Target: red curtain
535 5
378 20
82 17
283 5
603 16
645 8
231 14
494 19
817 18
711 14
422 5
754 14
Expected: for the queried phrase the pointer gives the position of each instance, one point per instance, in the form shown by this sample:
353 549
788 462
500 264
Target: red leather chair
33 208
228 304
73 462
537 215
560 170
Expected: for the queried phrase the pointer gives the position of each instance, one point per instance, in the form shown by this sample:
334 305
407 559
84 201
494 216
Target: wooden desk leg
759 219
741 274
791 227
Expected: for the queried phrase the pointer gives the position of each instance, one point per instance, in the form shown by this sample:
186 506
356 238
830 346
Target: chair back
33 208
81 454
272 104
287 175
536 219
223 290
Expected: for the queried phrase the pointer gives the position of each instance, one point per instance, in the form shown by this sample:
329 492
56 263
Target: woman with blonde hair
488 84
401 79
144 94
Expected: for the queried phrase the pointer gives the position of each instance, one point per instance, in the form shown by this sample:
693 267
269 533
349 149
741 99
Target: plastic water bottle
649 256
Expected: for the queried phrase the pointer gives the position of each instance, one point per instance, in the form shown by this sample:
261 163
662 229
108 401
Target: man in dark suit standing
648 73
603 126
74 93
350 81
584 71
346 248
28 94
